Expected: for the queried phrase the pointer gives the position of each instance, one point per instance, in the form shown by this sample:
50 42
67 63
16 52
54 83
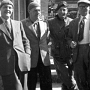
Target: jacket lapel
14 26
4 29
31 27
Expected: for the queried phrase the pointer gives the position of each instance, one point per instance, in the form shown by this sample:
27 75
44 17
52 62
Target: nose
63 11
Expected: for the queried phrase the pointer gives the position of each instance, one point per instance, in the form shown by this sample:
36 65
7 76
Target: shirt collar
33 23
85 17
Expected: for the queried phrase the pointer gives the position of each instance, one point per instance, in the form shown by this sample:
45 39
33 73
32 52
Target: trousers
43 73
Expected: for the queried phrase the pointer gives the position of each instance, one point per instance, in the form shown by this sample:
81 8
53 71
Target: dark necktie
37 28
81 30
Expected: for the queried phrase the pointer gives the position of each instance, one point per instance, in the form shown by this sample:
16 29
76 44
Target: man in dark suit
79 39
37 31
14 48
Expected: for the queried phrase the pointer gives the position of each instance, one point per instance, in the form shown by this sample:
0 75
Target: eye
7 7
64 9
10 7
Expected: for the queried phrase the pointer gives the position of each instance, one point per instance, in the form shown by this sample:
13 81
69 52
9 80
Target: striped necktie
38 31
37 28
81 30
8 26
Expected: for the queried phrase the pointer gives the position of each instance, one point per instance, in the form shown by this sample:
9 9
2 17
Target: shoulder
52 19
43 22
70 19
16 21
25 20
74 21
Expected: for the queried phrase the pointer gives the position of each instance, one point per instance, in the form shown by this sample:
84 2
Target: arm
26 42
71 43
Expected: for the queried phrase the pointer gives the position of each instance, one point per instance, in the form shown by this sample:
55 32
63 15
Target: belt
84 45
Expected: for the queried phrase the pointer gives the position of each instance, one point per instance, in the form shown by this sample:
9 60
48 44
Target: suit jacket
73 35
13 46
36 44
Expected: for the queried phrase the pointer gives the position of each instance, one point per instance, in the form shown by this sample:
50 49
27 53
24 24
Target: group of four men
24 48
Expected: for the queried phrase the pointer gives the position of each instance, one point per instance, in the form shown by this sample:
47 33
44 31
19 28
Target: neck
33 19
6 18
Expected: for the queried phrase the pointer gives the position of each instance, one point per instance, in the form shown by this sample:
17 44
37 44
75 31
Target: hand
73 44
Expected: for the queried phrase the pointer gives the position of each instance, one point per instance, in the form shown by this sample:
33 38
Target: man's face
6 11
62 12
35 13
83 9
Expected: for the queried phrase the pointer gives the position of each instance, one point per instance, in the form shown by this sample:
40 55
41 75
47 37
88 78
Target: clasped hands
73 44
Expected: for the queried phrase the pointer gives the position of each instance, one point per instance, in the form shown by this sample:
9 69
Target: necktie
37 28
81 30
8 26
38 31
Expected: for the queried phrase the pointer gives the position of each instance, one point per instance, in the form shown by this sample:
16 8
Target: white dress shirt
86 38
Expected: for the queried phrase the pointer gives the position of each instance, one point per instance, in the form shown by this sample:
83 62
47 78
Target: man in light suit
36 32
79 39
14 48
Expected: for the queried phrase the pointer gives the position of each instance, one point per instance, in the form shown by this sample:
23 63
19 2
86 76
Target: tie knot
8 24
83 18
82 21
